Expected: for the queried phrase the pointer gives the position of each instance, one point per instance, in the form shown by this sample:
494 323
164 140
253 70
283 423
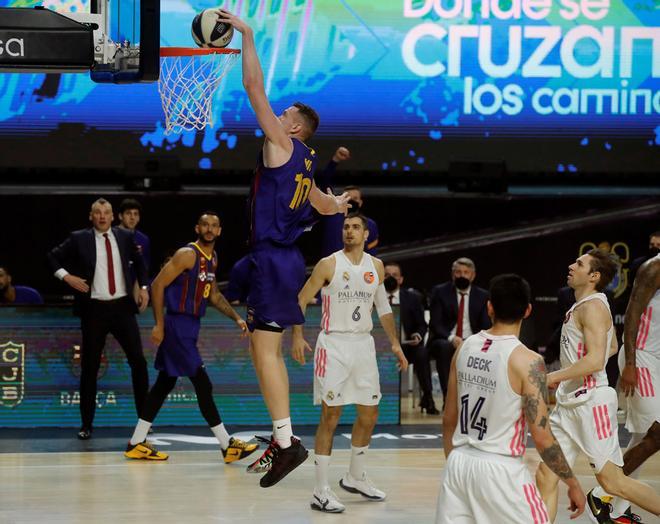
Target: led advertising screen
40 370
408 85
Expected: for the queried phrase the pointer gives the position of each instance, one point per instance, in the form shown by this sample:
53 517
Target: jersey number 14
471 417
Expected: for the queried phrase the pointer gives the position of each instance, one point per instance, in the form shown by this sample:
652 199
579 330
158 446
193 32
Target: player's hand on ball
157 334
242 325
402 363
298 349
228 18
628 380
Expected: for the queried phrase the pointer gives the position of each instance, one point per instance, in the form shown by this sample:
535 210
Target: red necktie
111 266
459 321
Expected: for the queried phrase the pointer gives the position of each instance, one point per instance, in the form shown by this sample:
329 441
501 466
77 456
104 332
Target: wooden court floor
195 486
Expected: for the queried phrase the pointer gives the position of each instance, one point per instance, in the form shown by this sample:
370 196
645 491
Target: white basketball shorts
345 370
643 408
590 428
482 488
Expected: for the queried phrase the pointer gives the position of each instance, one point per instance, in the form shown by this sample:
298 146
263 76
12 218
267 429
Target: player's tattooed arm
219 302
535 409
536 394
554 458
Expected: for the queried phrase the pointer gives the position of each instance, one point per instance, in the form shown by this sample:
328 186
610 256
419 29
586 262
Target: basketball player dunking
640 381
282 196
345 369
584 419
497 390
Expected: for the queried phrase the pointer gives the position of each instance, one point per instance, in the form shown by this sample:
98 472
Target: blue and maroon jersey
188 293
279 206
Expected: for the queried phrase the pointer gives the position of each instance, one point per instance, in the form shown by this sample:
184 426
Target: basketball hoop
189 77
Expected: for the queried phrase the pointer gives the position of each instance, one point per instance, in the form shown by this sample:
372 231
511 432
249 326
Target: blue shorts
277 274
177 354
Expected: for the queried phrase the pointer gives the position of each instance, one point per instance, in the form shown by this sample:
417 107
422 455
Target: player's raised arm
253 81
183 259
321 275
530 369
645 285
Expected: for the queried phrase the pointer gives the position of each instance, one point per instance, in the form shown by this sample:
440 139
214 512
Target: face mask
461 283
653 251
390 284
355 206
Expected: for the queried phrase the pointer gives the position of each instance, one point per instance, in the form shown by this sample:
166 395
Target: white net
187 84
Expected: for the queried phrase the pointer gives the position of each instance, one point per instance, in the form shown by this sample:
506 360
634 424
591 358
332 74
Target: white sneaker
362 486
326 500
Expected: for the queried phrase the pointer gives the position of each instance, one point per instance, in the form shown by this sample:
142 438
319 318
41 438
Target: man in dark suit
458 310
413 329
99 264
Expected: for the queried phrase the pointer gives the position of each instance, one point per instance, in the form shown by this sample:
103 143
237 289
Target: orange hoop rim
197 51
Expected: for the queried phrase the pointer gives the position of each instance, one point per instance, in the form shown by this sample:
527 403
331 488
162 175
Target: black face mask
355 206
653 251
461 283
390 284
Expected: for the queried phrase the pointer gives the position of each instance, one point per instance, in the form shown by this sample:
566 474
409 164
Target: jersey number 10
302 191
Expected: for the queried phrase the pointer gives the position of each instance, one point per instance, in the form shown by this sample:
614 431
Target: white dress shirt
100 285
467 330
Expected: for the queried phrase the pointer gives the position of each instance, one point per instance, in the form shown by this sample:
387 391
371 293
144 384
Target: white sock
619 505
321 465
358 460
282 432
221 434
140 433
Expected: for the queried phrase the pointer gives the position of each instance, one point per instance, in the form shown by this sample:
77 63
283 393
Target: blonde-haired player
345 369
584 420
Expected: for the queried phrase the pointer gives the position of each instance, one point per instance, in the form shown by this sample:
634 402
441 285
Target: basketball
208 32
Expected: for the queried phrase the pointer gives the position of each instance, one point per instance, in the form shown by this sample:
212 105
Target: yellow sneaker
238 449
144 451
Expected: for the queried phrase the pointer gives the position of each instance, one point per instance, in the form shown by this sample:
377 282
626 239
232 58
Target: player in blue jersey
281 200
184 286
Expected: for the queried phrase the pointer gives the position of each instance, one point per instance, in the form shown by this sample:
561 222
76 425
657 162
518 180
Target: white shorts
480 488
590 428
643 408
345 370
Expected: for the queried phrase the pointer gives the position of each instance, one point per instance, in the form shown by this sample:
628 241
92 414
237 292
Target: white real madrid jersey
348 299
573 348
491 418
648 331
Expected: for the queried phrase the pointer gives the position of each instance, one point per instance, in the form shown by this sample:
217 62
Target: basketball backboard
118 41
